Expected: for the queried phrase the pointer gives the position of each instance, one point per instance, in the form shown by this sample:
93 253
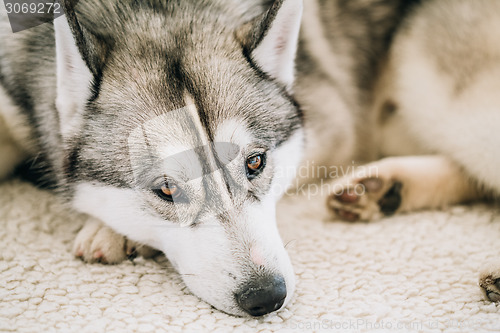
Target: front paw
99 243
364 199
489 281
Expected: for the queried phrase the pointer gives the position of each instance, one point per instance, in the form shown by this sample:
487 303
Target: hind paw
364 199
98 243
489 281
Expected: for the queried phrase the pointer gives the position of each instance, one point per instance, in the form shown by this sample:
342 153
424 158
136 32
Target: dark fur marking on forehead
183 79
198 100
204 119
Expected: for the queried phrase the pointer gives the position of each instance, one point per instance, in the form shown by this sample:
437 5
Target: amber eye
255 164
169 191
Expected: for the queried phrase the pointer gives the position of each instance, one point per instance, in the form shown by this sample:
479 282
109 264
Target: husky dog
166 122
174 125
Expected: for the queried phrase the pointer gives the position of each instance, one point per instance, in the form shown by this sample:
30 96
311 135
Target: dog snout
262 295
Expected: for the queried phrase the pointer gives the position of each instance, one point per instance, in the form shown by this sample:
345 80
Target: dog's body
130 105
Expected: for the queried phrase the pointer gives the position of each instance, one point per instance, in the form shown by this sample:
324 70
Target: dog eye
255 165
169 191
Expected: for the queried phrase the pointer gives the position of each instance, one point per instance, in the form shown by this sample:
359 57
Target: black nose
262 295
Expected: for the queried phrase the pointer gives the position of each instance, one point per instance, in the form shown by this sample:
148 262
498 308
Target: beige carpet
413 272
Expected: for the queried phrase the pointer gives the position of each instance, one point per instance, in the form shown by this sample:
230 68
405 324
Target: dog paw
364 199
489 281
98 243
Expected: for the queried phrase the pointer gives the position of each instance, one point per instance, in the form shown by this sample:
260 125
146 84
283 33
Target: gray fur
146 60
149 59
357 36
184 48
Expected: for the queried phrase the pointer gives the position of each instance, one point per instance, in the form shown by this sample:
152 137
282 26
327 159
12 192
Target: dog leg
400 184
98 243
489 281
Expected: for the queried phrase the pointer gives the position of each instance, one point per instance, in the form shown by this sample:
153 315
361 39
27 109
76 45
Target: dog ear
79 57
273 38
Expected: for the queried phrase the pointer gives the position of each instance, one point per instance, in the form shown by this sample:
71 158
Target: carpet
413 272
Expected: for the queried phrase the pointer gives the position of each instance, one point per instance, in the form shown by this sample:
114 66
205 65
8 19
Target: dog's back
376 76
343 44
443 79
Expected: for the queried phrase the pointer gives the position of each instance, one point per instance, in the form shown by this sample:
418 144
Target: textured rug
414 272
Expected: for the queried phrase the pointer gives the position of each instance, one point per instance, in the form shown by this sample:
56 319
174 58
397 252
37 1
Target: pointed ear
79 59
274 39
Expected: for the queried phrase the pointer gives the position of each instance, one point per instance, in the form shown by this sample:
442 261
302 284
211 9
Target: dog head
182 134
